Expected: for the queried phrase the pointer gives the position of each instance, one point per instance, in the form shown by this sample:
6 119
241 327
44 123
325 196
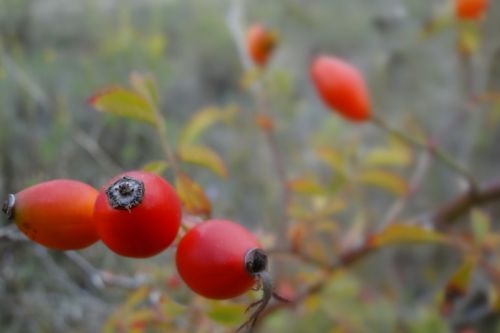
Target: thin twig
460 205
235 23
101 278
432 149
421 168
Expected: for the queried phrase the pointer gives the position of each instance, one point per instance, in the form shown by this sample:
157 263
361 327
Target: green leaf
480 225
192 196
156 167
405 233
125 103
395 155
145 85
203 156
227 314
384 180
201 121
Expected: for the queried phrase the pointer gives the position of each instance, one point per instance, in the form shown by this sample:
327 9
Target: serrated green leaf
227 314
405 233
384 180
156 167
145 85
124 102
192 196
201 121
203 156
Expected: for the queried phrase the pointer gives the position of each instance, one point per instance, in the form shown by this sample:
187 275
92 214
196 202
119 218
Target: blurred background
55 54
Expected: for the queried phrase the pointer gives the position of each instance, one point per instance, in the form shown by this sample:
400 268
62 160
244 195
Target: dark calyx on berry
255 261
126 193
8 206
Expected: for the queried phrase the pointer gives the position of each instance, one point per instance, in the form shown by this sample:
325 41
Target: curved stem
439 154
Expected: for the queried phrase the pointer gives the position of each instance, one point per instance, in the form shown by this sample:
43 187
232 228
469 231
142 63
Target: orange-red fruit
141 217
211 259
470 9
57 214
261 43
342 87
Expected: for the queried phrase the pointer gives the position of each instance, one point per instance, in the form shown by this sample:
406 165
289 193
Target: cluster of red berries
138 214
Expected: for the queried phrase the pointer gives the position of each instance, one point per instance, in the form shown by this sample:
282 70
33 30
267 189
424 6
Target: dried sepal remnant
8 206
126 193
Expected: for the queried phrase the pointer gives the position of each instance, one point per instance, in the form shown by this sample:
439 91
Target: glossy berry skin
211 259
57 214
145 229
261 43
341 87
470 9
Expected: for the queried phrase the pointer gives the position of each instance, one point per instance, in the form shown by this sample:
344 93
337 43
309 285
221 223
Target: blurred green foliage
55 54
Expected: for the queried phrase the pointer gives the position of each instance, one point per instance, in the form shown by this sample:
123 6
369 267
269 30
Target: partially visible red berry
57 214
470 9
261 43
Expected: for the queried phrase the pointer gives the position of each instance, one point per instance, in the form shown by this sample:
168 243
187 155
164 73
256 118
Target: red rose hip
214 259
341 87
57 214
138 214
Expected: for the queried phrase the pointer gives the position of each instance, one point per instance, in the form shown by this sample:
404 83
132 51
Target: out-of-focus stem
164 142
440 155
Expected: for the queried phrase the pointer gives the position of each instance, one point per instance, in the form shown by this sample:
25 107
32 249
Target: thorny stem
432 149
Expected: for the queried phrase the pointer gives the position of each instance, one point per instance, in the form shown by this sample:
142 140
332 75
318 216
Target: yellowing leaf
227 314
405 233
139 295
145 85
156 167
333 159
312 303
468 38
385 180
480 223
192 196
457 285
388 156
202 121
172 309
305 186
250 77
125 103
203 156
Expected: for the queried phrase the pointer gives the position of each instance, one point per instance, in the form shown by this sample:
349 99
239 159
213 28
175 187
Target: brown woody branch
461 205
